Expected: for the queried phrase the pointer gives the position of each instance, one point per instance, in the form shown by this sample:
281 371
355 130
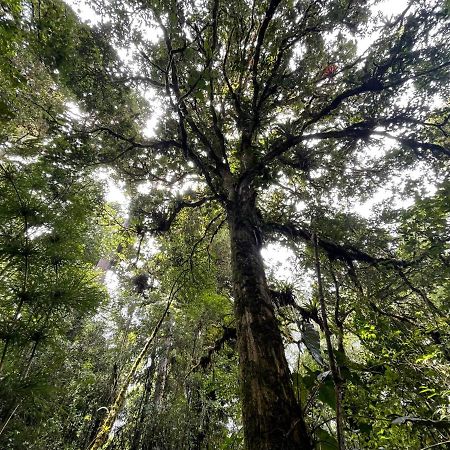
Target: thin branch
157 144
201 239
435 445
419 292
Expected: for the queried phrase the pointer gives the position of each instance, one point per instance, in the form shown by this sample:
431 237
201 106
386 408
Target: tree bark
272 418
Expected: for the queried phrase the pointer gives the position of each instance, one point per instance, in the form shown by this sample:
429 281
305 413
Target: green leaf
327 393
311 339
325 441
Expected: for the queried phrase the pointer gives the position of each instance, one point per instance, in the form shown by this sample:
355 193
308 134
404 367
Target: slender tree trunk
144 404
334 367
162 368
101 439
272 417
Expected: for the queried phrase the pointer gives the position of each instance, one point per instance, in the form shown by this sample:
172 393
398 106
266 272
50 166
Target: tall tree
272 113
263 93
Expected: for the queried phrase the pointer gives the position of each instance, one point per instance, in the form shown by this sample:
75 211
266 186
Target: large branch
234 95
211 91
359 130
343 252
283 145
371 85
166 222
375 84
217 165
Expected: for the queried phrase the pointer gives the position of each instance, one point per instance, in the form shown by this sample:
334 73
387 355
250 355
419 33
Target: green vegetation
315 133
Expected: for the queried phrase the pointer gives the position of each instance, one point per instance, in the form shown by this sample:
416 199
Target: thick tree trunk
272 417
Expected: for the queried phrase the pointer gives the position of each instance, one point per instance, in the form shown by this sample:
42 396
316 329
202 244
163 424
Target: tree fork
272 417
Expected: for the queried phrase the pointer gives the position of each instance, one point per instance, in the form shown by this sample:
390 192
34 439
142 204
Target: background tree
51 235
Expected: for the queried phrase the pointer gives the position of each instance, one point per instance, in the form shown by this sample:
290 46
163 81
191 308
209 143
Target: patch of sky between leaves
114 190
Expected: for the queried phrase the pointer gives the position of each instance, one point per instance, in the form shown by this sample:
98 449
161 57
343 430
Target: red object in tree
330 71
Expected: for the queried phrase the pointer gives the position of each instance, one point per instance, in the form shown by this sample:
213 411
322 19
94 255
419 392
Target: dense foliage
315 133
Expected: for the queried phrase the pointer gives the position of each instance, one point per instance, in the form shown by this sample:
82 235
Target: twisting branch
165 223
229 334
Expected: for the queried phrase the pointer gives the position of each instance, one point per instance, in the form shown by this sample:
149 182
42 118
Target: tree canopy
279 274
